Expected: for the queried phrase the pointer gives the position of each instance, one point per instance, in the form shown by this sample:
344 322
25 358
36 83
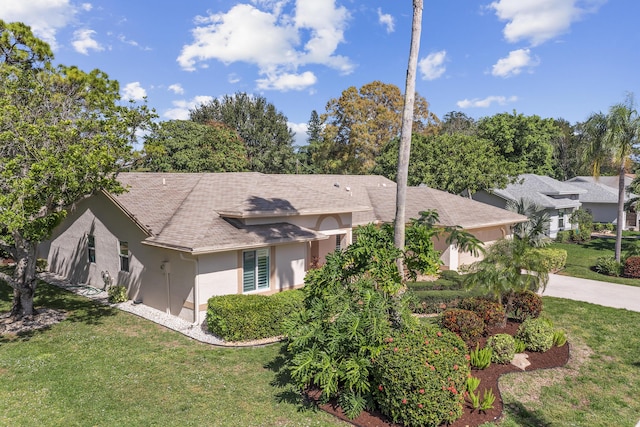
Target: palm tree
534 231
612 137
405 133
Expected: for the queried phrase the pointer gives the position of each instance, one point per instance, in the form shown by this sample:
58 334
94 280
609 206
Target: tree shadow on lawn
525 417
283 381
80 309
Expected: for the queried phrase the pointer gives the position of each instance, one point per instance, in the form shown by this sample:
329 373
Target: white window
561 219
255 270
124 256
338 242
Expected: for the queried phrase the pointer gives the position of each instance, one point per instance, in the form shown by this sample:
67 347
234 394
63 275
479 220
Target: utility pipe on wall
196 292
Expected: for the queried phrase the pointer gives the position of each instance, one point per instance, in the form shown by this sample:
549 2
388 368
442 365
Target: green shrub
249 317
559 338
480 358
609 266
491 312
525 304
553 259
117 294
598 227
520 345
503 348
584 219
436 301
563 236
537 334
41 265
610 226
464 323
420 377
632 267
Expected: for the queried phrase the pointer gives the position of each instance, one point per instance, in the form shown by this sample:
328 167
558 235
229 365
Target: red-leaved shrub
466 324
632 267
525 304
491 312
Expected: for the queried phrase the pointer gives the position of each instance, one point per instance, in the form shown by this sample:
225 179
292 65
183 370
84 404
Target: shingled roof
187 211
205 212
543 191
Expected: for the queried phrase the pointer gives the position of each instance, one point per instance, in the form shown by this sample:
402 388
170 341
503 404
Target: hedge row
250 317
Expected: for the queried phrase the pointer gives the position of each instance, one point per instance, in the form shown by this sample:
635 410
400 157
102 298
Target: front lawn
105 367
582 257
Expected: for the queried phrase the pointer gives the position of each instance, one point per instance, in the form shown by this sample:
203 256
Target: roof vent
347 188
337 184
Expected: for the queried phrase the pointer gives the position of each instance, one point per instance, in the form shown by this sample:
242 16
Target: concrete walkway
594 291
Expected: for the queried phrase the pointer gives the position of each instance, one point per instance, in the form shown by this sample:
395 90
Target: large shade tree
456 163
523 140
186 146
613 137
358 124
63 136
264 130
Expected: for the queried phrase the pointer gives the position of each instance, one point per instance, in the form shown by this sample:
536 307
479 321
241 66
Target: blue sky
553 58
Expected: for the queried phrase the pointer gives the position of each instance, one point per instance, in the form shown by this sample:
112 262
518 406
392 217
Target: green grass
600 385
104 367
582 257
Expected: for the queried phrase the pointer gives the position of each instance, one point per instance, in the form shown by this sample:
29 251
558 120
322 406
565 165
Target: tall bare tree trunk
405 133
621 222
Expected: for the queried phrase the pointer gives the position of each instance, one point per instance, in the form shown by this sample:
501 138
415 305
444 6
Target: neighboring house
601 199
559 199
175 240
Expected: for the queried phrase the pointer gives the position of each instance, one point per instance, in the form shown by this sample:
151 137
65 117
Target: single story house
601 199
559 199
177 239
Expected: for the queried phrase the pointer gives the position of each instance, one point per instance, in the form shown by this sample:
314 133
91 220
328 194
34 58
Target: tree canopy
523 140
63 136
186 146
359 123
450 162
264 130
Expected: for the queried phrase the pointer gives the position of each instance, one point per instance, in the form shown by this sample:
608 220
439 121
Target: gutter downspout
196 292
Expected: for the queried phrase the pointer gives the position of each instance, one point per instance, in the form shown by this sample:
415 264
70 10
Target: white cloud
83 41
233 78
386 20
540 20
176 88
287 81
277 43
182 107
86 7
300 130
486 102
431 67
45 17
514 63
133 91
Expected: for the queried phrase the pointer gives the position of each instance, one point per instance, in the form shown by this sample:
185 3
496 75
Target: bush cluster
563 236
553 259
525 304
464 323
491 312
503 347
537 334
609 266
632 267
117 294
420 377
249 317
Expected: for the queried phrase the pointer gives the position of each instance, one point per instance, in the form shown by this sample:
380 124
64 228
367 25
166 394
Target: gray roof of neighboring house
203 212
543 191
609 181
603 189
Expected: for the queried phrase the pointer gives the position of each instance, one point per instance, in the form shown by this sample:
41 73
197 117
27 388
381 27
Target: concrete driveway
594 291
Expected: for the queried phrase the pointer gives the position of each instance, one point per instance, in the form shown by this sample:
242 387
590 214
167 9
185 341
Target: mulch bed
554 358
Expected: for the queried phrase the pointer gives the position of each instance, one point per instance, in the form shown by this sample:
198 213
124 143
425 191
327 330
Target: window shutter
263 268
